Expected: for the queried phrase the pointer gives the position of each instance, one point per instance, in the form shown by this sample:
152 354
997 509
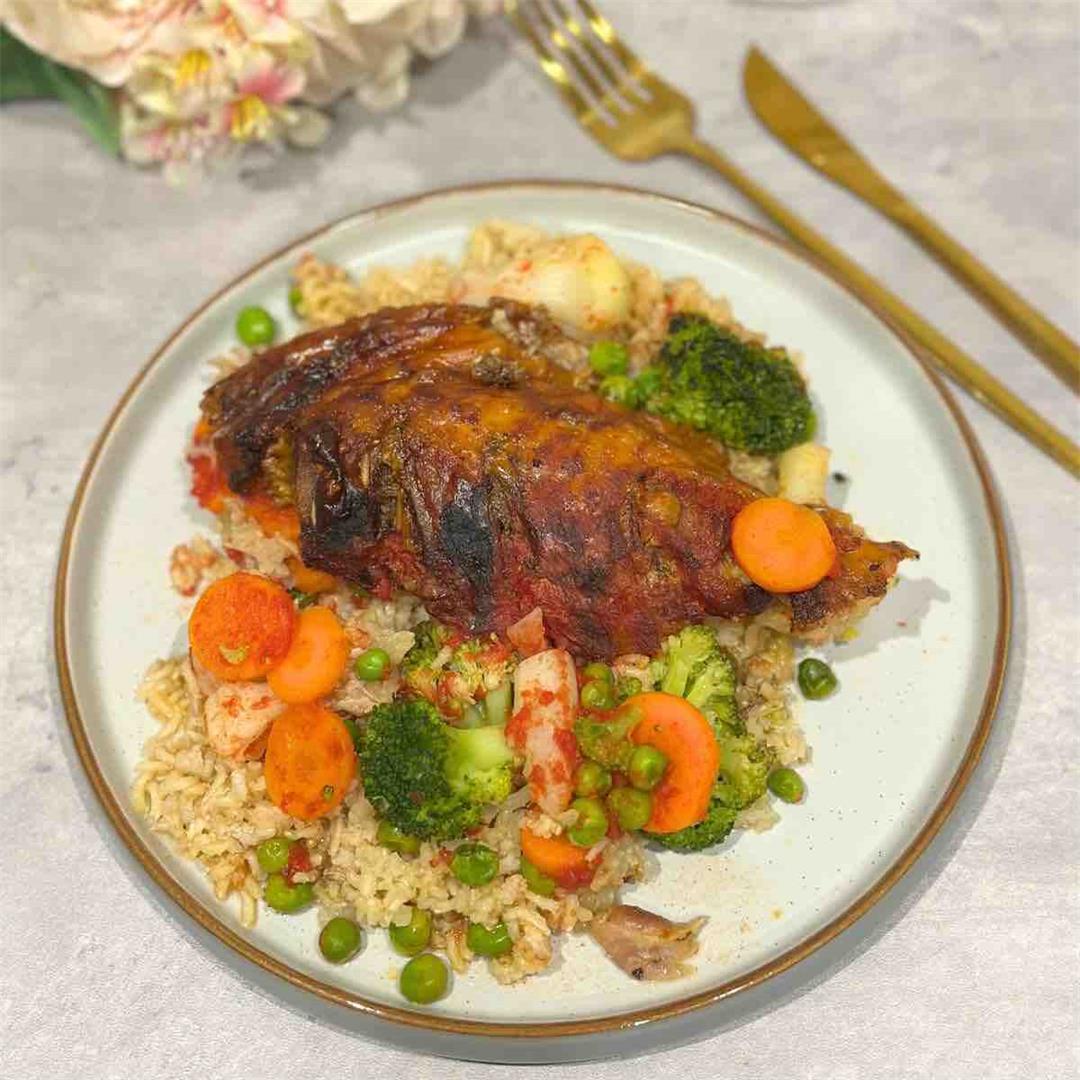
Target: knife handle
1055 348
964 370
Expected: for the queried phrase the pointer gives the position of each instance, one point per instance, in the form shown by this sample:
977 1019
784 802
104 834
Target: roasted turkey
456 453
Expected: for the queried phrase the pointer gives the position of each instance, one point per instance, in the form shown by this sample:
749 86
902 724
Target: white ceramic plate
890 752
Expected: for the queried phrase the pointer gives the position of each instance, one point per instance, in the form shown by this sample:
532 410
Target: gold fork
636 115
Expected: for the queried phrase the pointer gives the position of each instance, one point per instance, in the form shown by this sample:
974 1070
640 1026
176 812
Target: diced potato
577 278
803 471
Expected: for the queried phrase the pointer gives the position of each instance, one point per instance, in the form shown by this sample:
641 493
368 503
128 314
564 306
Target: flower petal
307 127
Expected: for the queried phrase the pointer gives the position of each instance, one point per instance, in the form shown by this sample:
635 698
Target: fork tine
635 66
617 80
551 67
571 59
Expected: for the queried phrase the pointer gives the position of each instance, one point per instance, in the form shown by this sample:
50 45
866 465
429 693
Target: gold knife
801 128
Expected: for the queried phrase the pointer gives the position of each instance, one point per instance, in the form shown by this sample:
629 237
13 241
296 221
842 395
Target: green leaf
27 75
22 75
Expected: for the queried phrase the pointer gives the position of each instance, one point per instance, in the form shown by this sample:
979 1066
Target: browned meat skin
438 450
645 945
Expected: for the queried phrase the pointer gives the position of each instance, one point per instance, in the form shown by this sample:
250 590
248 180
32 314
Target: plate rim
448 1025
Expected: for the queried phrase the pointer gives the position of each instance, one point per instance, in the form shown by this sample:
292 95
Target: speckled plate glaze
891 751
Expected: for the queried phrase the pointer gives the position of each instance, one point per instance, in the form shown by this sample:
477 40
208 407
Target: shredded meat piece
645 945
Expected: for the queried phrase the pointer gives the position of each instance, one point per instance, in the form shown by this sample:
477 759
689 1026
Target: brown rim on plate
448 1025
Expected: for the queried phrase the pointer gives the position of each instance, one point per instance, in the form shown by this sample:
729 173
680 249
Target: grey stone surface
971 107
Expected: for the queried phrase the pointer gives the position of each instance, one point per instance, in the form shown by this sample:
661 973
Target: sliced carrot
783 547
674 727
316 659
308 580
242 627
310 761
558 858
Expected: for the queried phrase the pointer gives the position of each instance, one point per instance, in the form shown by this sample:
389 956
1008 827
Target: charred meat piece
645 945
442 450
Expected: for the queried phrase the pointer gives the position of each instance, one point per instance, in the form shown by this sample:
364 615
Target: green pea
412 937
273 854
646 768
372 665
648 381
340 940
591 825
591 780
597 672
286 898
485 942
296 298
255 326
598 695
539 883
609 358
497 703
621 389
474 864
391 837
631 807
786 784
424 979
816 679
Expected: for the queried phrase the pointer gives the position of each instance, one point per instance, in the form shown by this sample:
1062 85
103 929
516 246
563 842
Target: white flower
200 78
185 147
101 37
366 46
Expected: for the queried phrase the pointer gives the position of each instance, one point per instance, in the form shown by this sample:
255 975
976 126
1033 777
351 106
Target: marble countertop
970 107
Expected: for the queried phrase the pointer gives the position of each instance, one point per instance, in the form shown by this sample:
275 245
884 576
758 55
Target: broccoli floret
694 665
427 778
748 396
452 672
744 768
430 639
478 764
418 670
714 827
481 664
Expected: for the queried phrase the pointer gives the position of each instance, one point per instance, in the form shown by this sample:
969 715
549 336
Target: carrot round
308 580
783 547
558 858
316 659
310 761
674 727
241 627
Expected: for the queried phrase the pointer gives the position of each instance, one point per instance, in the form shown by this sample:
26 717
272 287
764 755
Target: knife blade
790 116
783 109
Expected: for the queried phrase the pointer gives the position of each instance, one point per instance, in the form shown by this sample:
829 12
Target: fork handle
964 370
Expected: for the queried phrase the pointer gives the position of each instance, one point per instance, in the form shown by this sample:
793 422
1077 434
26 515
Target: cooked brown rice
215 810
